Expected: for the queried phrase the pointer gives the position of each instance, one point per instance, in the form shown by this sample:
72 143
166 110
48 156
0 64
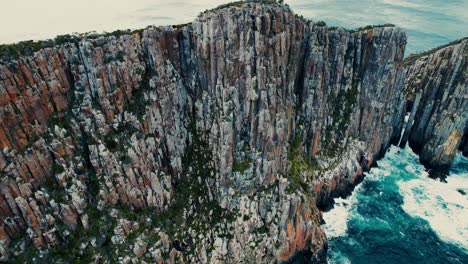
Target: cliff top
9 52
413 57
431 61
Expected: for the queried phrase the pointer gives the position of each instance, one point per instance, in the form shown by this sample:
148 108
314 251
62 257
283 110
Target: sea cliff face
436 89
213 142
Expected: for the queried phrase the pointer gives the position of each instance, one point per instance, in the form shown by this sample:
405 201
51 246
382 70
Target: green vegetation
190 191
371 27
299 17
240 3
120 56
321 23
231 4
110 143
60 121
100 227
343 105
116 140
10 52
263 230
198 159
52 186
241 166
413 57
137 103
26 48
302 165
56 168
100 223
179 26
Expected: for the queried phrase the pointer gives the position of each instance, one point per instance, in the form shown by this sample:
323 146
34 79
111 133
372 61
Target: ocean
428 23
397 214
400 215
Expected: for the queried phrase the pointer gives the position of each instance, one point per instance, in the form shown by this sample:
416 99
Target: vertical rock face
436 87
211 142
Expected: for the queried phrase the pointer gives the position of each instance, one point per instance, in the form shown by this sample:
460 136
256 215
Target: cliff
436 90
208 142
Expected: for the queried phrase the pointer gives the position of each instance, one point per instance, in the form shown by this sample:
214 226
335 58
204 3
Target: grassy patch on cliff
193 186
242 165
191 207
302 165
343 105
139 100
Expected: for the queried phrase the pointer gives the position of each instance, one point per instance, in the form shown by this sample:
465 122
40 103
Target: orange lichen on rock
300 232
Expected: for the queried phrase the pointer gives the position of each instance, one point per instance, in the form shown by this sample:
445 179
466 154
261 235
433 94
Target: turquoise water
400 215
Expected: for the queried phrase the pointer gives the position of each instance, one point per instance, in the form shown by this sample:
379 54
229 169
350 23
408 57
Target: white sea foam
377 173
439 203
339 259
336 219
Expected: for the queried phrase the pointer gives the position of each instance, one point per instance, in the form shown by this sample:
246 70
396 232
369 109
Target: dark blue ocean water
400 215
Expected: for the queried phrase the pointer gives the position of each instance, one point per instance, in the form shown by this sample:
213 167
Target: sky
429 23
42 19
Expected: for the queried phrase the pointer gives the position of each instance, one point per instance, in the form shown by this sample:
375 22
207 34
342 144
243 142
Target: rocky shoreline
435 87
212 142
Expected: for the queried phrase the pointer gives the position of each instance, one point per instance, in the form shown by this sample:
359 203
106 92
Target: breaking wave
400 215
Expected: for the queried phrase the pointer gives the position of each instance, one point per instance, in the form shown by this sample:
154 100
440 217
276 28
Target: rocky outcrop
436 88
208 142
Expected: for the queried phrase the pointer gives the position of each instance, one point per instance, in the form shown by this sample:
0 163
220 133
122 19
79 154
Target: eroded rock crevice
208 142
436 88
